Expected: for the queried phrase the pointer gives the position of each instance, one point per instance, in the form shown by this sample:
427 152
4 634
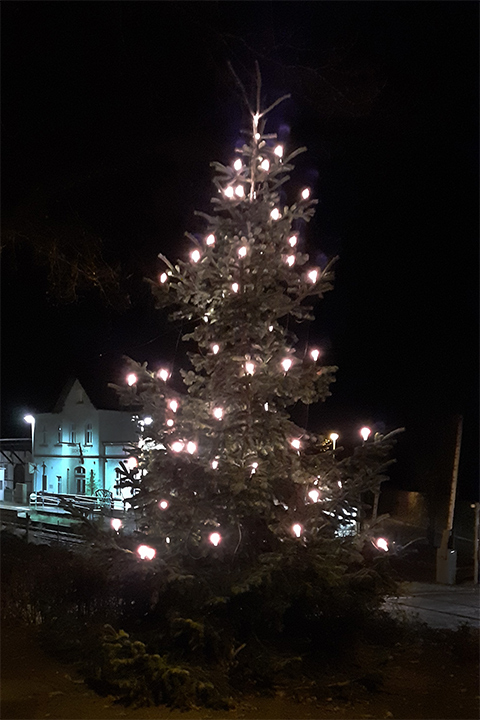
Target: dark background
112 112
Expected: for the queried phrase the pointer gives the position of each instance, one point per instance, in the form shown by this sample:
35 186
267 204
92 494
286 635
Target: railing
81 502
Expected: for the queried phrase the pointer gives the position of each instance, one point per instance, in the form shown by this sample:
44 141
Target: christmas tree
222 465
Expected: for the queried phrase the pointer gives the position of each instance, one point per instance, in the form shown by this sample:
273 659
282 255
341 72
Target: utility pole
447 557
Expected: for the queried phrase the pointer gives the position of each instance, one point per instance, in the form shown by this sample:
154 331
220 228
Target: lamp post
31 421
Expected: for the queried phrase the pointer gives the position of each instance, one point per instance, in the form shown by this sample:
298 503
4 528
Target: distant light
265 165
163 277
195 256
381 544
163 374
214 464
210 239
173 405
238 164
313 276
218 413
215 538
170 422
131 379
29 419
249 368
146 552
292 241
315 354
365 432
339 483
177 446
278 151
235 287
167 540
295 443
240 191
163 504
314 495
242 251
290 260
286 364
191 447
265 407
116 524
275 214
215 349
131 463
297 529
228 192
305 194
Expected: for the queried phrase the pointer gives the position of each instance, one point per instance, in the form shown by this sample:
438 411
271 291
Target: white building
77 447
16 480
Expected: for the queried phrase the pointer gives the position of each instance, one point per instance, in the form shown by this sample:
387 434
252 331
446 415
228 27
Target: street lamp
334 437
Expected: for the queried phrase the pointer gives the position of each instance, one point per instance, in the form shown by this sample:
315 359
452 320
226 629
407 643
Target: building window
59 434
88 434
79 478
43 435
73 434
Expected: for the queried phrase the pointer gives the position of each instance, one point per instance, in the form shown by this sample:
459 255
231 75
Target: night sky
112 112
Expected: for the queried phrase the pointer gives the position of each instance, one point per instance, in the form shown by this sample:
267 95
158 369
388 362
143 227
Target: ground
435 676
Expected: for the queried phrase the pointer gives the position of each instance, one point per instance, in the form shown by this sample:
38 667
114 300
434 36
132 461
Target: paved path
440 606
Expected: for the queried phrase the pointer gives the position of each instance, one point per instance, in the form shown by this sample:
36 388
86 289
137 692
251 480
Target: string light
305 194
210 239
265 165
147 421
218 413
297 529
116 524
313 276
173 405
215 538
214 464
315 354
191 447
131 379
131 463
163 504
257 136
275 214
365 433
238 164
195 256
381 544
314 495
290 260
265 407
240 191
215 349
235 287
292 241
163 374
228 192
163 277
170 422
295 443
254 468
249 368
242 251
270 328
278 151
146 552
334 437
286 364
177 446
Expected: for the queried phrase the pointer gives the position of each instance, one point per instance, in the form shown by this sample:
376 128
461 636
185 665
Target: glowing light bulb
173 405
286 364
195 256
334 437
170 422
177 446
147 421
116 524
339 483
218 413
131 463
254 467
297 529
313 276
215 538
163 504
240 191
315 354
270 328
314 495
292 241
215 349
131 379
242 251
146 552
265 407
365 432
214 464
295 443
381 544
257 136
278 151
265 165
235 287
228 192
290 260
210 239
305 194
249 368
238 164
163 278
167 540
275 214
163 374
191 447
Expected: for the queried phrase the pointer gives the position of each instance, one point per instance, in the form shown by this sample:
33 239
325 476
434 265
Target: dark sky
111 114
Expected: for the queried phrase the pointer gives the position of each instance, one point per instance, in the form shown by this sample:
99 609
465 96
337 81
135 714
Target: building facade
77 447
16 469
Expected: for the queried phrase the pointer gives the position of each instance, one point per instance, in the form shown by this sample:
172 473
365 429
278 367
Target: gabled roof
104 398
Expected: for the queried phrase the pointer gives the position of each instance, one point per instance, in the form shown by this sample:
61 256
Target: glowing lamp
270 328
275 214
116 524
242 251
249 368
238 165
228 192
235 287
292 241
314 495
290 260
170 422
297 529
210 239
191 447
131 379
381 544
339 483
173 405
163 504
286 364
313 276
257 136
278 151
334 437
218 413
305 194
195 256
131 463
29 419
295 443
147 421
365 432
240 191
215 349
315 354
214 464
177 446
163 278
163 374
265 165
215 538
146 552
265 407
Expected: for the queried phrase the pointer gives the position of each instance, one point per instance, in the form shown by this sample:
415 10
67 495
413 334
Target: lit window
88 434
73 434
